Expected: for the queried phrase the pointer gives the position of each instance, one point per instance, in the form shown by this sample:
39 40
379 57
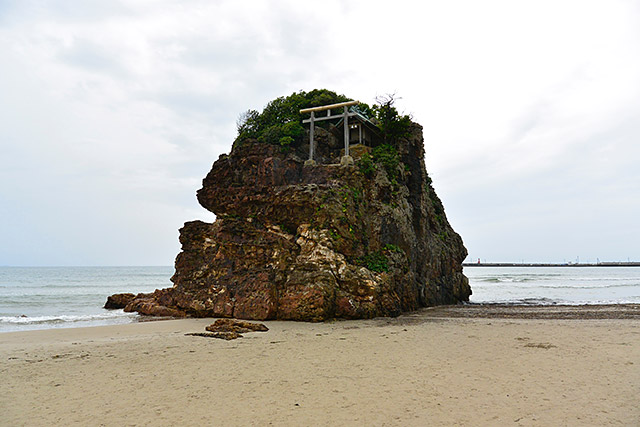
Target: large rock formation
313 242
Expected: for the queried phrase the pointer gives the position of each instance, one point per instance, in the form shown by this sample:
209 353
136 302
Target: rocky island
355 234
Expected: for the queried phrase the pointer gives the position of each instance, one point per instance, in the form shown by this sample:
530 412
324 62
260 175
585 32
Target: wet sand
462 365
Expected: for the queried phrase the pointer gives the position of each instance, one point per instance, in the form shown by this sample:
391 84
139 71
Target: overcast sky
111 113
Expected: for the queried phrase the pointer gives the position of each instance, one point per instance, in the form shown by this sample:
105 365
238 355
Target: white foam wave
35 320
550 301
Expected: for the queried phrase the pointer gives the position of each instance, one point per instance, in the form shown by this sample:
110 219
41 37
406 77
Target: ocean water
58 297
554 285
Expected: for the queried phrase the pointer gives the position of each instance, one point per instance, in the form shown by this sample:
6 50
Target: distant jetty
526 264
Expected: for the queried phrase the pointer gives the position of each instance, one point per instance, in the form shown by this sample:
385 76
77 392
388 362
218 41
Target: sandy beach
431 367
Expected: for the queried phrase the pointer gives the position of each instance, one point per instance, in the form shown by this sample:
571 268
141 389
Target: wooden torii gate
346 159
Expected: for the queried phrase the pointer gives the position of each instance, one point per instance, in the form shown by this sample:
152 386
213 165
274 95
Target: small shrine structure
358 130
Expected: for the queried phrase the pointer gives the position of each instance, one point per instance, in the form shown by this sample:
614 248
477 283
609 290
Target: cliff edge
300 241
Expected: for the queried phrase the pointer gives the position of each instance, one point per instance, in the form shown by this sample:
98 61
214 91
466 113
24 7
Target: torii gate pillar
346 159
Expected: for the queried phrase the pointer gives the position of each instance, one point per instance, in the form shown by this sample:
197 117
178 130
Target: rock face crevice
299 242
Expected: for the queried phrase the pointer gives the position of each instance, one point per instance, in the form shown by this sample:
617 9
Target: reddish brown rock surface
118 301
233 325
314 242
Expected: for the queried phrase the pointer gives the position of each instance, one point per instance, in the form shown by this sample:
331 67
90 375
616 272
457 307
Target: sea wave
36 320
550 301
511 279
519 301
520 279
568 286
602 286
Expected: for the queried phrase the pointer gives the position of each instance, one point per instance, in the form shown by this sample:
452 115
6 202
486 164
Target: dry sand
425 368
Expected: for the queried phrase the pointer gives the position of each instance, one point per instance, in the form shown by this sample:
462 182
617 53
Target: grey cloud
85 10
190 102
236 53
7 9
92 57
156 135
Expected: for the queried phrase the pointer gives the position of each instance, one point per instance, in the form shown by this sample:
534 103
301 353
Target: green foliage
229 216
374 261
437 206
355 194
392 124
366 165
282 134
280 123
393 248
293 129
281 118
247 123
285 142
387 156
271 135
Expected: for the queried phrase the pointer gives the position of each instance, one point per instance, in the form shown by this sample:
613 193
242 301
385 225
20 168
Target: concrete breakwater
526 264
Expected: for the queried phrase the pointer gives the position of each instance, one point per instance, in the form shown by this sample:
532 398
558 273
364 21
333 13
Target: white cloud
112 113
